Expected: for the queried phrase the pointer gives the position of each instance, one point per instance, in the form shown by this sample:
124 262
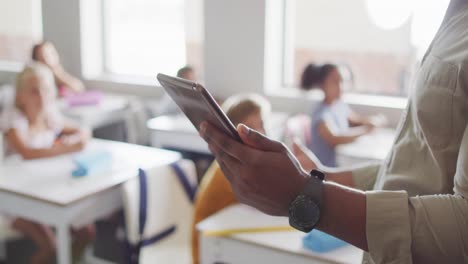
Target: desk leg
63 244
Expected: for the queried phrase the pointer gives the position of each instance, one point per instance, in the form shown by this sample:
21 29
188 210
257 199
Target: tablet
197 104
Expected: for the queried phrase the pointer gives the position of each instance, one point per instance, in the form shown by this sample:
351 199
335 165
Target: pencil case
91 163
321 242
84 98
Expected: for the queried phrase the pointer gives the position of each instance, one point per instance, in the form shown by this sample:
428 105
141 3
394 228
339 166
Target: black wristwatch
304 210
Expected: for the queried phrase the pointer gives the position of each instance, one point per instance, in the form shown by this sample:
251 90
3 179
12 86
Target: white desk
372 147
176 131
112 108
270 247
43 190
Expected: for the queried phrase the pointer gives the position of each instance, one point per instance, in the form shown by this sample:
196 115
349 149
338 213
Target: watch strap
314 186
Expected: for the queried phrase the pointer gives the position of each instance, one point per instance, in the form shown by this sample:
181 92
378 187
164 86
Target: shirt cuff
364 177
388 226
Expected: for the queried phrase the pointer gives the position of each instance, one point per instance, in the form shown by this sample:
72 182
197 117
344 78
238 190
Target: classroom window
20 29
378 43
144 37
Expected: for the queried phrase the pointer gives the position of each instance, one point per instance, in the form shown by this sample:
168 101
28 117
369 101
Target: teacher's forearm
340 176
343 214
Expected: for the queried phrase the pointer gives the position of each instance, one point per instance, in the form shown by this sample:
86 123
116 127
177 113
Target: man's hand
263 173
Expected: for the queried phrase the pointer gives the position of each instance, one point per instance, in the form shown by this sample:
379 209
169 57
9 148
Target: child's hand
76 147
378 120
369 128
67 147
79 146
86 134
81 136
70 139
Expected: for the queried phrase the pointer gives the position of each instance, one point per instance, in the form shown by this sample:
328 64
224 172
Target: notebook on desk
242 219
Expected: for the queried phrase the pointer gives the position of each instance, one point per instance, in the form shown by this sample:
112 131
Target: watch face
304 213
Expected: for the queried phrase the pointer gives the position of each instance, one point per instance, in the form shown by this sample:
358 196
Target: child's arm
63 78
72 134
348 137
30 153
70 130
356 119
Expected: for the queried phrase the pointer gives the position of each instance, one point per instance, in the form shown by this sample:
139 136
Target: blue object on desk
321 242
92 162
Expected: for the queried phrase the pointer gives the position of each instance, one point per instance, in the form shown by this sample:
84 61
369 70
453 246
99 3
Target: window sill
380 101
11 66
296 101
134 85
9 70
286 100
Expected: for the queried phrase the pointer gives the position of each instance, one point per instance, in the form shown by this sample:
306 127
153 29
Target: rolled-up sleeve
364 177
421 229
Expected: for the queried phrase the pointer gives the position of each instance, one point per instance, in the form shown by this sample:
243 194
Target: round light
389 14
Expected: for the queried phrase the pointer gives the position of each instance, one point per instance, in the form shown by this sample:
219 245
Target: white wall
349 28
61 26
20 18
194 22
234 46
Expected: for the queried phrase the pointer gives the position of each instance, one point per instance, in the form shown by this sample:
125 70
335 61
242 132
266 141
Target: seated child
333 121
34 129
46 53
167 106
215 192
187 72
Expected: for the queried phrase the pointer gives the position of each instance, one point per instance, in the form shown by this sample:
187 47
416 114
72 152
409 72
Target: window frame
290 98
287 63
282 100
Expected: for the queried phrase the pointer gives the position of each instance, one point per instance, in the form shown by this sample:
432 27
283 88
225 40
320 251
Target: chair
135 120
7 96
161 233
7 235
298 127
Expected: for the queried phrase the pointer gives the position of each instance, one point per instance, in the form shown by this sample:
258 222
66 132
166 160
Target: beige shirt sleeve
364 177
421 229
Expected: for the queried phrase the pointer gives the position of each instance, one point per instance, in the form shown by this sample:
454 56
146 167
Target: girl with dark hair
332 119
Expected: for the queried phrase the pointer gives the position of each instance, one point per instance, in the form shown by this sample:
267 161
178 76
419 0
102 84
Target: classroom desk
43 190
267 247
111 109
372 147
176 132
